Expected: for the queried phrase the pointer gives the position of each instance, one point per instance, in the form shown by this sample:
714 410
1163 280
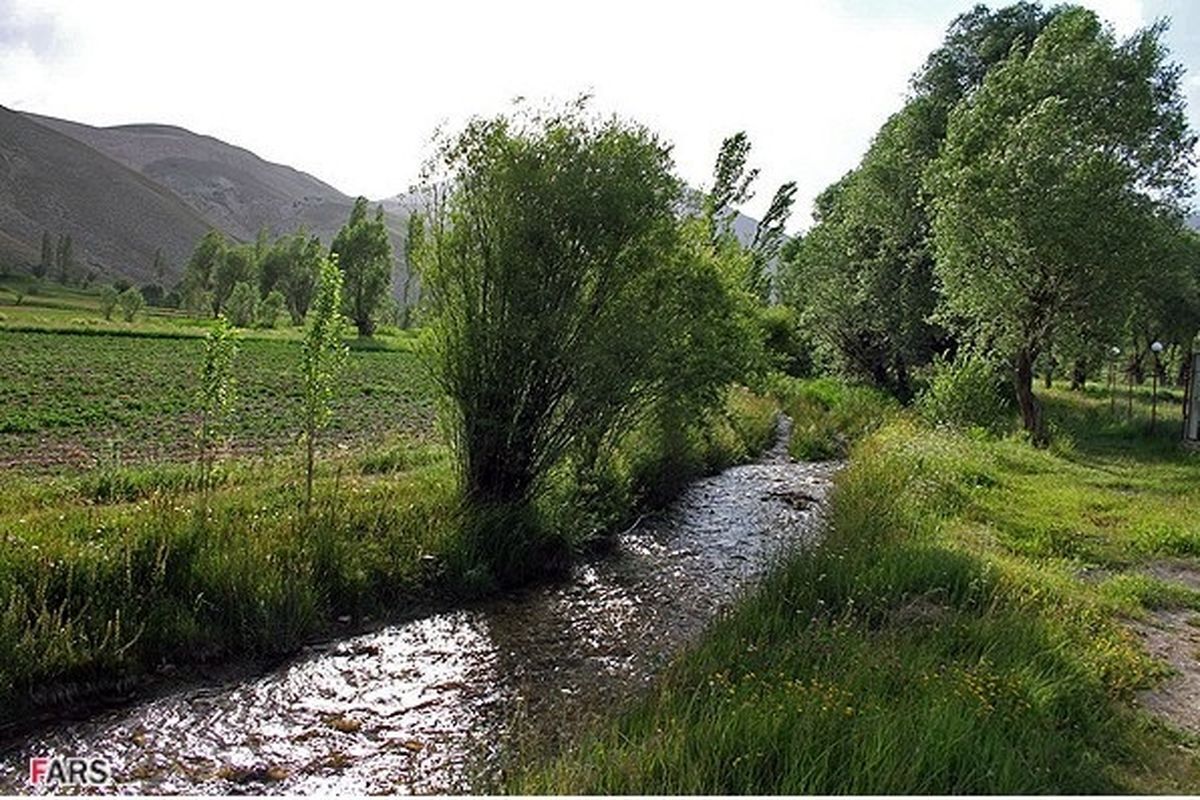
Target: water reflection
426 705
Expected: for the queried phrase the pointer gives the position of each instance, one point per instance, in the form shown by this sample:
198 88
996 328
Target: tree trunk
1078 375
1031 412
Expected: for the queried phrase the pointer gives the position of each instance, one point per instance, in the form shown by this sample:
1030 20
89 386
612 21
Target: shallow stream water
428 705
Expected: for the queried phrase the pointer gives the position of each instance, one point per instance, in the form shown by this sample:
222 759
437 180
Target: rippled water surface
425 706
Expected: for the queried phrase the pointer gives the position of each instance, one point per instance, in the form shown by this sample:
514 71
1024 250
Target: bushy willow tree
1054 176
565 296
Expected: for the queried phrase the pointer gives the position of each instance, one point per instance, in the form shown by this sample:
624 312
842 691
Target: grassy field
114 565
77 390
964 627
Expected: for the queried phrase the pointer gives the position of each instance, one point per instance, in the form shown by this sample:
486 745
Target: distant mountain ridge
203 181
116 217
122 192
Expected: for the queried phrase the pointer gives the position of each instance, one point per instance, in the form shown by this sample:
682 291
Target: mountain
229 187
237 190
116 217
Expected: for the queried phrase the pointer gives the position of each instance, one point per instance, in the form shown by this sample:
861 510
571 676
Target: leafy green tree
769 237
564 297
160 266
305 255
215 398
732 185
47 262
201 270
153 294
65 259
108 300
365 257
131 302
414 236
242 306
1051 180
323 356
863 278
270 309
237 266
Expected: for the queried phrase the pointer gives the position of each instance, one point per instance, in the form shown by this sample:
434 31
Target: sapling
215 397
323 355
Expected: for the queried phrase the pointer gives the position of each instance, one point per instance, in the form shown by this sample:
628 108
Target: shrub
270 309
108 300
242 306
788 349
132 302
968 392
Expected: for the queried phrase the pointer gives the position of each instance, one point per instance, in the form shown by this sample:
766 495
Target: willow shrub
567 302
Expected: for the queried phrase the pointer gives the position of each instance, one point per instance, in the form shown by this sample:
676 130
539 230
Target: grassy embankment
114 569
960 629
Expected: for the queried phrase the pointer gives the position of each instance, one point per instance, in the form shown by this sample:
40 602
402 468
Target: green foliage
787 345
1049 187
323 357
216 395
131 302
241 307
919 648
271 308
862 278
564 298
828 416
108 300
65 259
47 260
968 392
364 255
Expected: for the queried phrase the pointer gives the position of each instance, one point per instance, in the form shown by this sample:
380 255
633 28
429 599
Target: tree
65 259
863 277
564 297
305 255
131 302
160 266
201 270
323 355
235 267
47 262
769 237
364 255
241 308
270 309
1051 180
108 300
215 397
732 184
414 235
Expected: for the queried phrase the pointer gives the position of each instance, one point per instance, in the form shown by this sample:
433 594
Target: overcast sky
351 91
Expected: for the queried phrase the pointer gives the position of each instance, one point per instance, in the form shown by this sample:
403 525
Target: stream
436 703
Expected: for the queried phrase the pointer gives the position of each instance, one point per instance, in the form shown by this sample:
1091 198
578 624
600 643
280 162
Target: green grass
828 416
110 572
949 635
68 399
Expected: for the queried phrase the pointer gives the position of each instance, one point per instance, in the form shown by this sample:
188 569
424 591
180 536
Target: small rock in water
344 724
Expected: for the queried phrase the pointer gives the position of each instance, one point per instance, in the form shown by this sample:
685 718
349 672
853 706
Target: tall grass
941 639
112 573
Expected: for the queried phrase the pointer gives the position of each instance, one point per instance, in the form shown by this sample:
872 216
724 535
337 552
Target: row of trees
254 283
1026 203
